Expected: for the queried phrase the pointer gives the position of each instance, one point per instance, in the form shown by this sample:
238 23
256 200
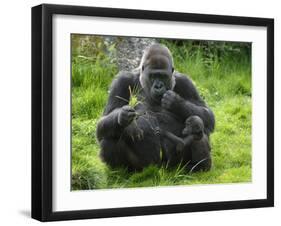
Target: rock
130 50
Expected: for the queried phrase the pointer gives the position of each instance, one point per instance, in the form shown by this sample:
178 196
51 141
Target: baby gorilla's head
194 126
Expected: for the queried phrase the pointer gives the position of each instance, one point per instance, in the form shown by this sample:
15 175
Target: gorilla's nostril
158 86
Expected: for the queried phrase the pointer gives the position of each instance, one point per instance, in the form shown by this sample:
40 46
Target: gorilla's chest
158 117
169 122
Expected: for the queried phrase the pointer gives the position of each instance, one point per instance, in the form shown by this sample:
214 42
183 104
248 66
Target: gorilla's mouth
186 131
157 94
157 97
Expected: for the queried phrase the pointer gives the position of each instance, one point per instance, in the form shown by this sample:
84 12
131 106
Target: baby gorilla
193 130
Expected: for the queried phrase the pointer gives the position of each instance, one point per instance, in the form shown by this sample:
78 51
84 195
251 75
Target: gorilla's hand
171 100
134 132
126 115
180 146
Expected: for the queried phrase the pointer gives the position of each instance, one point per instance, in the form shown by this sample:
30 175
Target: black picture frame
42 111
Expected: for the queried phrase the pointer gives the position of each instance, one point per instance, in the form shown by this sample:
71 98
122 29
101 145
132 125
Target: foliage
222 73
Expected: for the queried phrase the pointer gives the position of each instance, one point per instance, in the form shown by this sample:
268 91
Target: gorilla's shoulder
183 81
128 75
125 78
185 87
182 78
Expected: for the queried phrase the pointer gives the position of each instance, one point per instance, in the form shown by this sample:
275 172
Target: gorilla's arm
188 102
109 125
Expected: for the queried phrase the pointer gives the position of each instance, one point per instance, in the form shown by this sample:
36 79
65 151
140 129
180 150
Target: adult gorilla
129 136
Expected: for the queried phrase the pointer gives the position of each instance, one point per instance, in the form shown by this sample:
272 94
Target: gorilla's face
194 125
158 82
157 73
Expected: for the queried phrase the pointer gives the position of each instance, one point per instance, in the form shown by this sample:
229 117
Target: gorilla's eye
153 77
164 78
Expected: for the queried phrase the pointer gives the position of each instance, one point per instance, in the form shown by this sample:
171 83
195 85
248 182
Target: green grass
224 83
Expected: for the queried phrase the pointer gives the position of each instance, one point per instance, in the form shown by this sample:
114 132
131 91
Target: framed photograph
146 112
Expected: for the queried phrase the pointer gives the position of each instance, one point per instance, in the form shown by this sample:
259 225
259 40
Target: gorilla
132 136
193 130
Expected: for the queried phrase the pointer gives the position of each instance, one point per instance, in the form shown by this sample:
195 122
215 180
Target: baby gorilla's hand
126 115
180 146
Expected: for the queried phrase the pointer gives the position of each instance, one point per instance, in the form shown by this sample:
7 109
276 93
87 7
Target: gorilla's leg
119 153
171 157
116 153
112 154
200 155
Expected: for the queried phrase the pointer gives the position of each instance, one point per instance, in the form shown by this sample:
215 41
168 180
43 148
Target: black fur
129 137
